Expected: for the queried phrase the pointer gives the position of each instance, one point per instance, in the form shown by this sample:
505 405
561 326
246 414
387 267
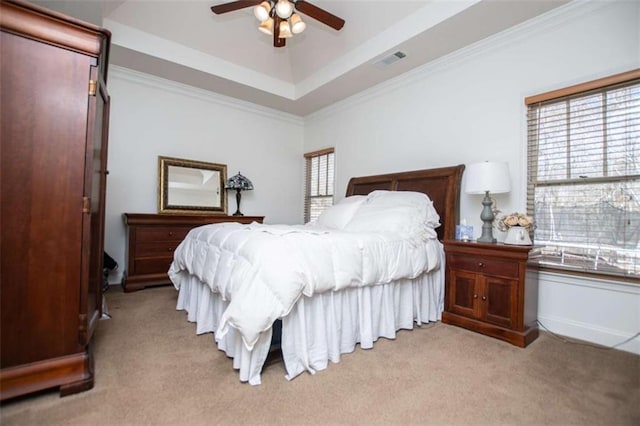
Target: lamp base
489 239
487 217
238 198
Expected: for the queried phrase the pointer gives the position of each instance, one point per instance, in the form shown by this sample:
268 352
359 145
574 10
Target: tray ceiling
185 42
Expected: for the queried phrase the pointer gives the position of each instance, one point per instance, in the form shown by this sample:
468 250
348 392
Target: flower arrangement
516 219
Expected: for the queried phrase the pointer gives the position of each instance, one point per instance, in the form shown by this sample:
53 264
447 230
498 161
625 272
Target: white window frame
319 182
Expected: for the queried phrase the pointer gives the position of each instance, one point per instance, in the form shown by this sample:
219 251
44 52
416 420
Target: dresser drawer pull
171 234
170 249
475 296
481 265
484 297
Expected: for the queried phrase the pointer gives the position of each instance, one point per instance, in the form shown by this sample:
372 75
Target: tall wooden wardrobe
54 111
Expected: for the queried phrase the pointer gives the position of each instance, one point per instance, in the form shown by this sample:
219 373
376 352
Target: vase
517 235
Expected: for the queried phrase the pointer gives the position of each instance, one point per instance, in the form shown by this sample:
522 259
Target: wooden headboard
442 185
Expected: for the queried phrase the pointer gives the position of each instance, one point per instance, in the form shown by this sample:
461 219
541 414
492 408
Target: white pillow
338 215
419 200
402 212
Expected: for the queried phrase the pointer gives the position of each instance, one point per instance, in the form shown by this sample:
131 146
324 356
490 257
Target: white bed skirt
321 328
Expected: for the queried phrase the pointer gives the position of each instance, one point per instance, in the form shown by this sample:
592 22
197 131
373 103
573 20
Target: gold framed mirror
191 187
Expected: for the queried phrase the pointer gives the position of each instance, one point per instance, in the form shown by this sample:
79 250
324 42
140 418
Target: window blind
319 182
584 175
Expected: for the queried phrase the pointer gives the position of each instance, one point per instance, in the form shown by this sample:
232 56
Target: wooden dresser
490 290
53 128
152 239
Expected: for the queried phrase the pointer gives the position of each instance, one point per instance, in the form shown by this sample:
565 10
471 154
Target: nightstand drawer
484 265
169 233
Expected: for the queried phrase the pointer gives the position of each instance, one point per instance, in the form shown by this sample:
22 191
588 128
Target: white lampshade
285 30
284 9
262 10
297 25
487 176
267 26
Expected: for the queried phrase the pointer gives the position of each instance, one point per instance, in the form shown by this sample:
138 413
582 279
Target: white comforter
262 270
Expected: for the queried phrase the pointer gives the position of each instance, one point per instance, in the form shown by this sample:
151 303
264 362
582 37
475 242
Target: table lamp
485 178
239 183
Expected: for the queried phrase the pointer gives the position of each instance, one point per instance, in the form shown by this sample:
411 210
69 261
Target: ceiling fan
277 17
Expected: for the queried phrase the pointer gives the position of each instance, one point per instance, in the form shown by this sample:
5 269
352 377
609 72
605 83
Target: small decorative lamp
483 178
239 183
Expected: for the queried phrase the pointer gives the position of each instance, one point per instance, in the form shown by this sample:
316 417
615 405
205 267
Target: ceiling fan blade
277 40
234 5
320 14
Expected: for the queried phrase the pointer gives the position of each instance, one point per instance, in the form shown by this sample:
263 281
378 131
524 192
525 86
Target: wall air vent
391 59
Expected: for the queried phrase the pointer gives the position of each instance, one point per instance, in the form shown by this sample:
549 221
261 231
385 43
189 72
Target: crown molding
530 28
137 77
158 47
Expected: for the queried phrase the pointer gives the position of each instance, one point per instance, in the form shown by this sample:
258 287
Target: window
584 175
318 193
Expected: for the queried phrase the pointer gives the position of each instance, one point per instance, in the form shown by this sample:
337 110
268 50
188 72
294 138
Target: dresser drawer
152 265
152 240
484 265
164 233
155 248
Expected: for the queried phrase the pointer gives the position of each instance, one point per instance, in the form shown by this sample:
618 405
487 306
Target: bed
340 284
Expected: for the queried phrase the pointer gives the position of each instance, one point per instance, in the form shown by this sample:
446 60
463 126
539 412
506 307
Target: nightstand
490 290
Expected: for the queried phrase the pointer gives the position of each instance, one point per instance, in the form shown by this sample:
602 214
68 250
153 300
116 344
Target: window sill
579 270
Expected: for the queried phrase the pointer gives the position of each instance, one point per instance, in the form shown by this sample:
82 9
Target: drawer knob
481 265
484 297
170 249
171 234
475 296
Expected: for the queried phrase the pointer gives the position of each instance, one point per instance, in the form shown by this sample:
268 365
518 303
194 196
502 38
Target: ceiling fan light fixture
267 26
281 19
284 9
262 10
297 25
285 30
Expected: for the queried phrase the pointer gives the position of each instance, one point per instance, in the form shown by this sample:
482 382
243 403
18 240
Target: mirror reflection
188 186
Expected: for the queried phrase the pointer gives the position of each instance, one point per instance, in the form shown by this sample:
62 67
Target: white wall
152 117
465 108
469 107
589 309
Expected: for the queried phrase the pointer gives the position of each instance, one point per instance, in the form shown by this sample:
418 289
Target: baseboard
589 333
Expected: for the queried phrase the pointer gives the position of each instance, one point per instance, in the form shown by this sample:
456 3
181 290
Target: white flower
516 219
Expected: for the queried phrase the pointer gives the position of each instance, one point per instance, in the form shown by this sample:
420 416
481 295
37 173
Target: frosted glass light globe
284 8
297 26
262 10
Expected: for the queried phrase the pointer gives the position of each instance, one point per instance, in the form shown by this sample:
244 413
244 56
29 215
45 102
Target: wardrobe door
95 183
43 132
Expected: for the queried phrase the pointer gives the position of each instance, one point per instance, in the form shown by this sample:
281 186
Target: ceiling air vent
391 59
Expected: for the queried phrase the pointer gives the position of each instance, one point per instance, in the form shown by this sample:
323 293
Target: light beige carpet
151 368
